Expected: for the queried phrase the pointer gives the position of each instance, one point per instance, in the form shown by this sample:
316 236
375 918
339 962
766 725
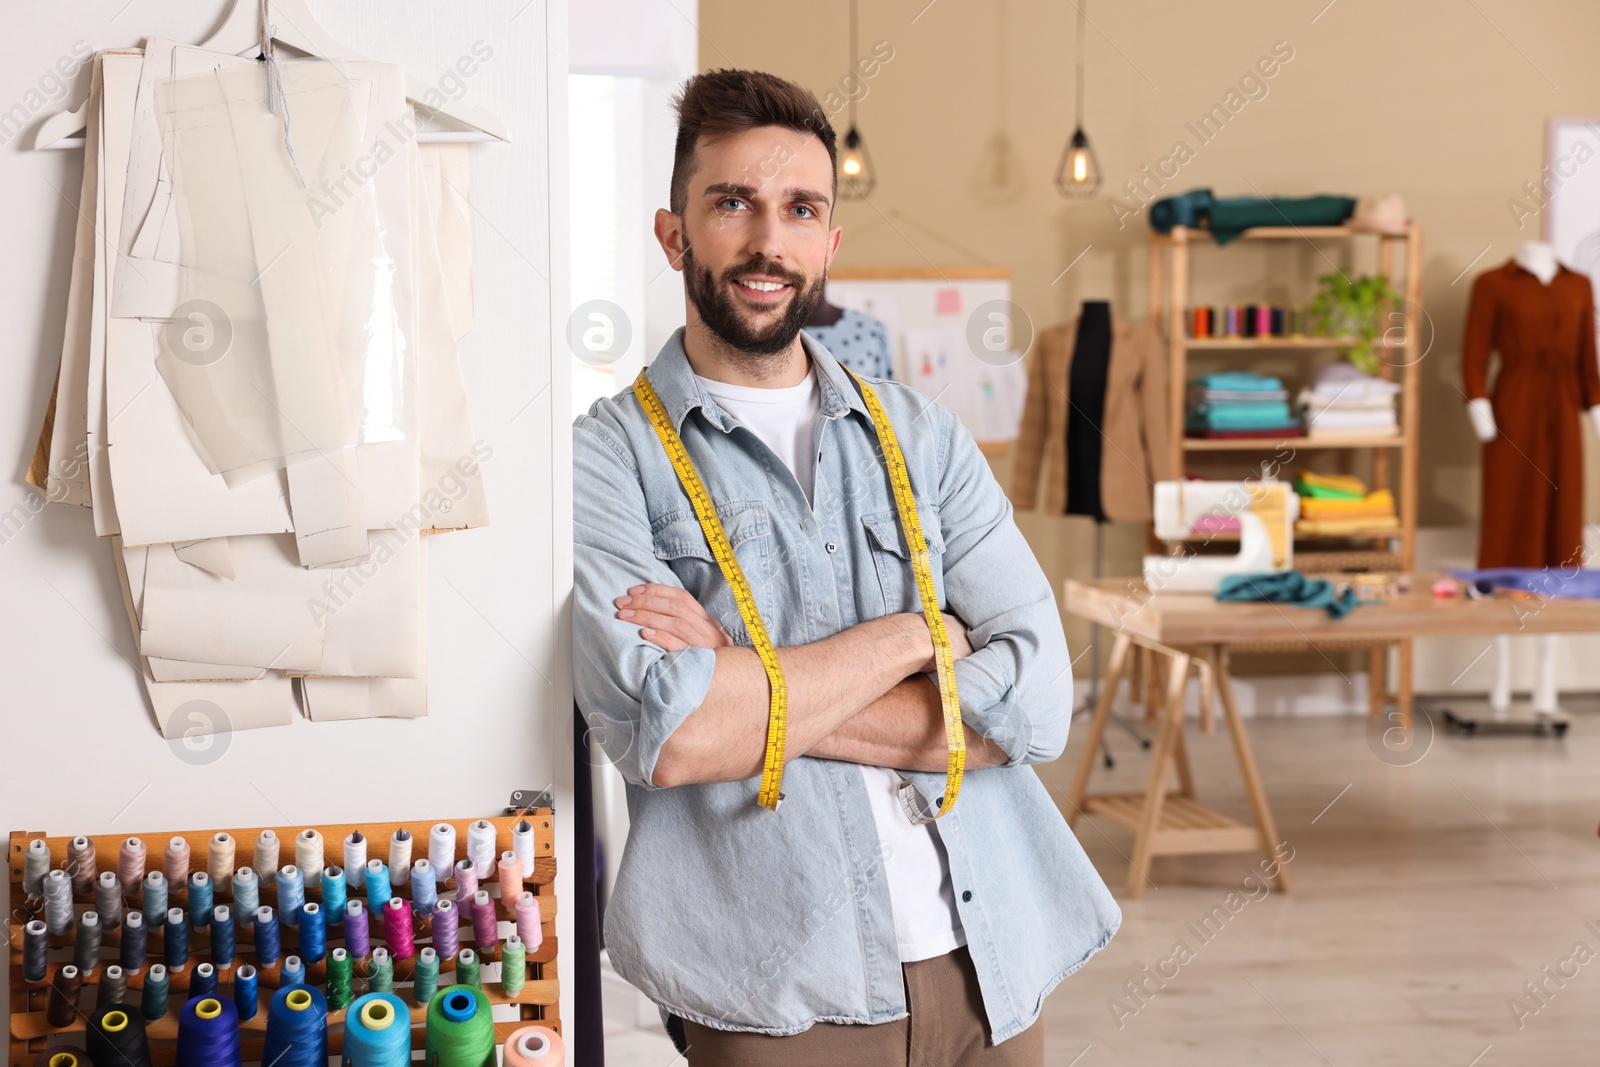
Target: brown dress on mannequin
1533 470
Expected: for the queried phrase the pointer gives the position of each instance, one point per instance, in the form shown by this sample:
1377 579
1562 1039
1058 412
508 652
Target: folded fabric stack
1339 504
1343 401
1239 404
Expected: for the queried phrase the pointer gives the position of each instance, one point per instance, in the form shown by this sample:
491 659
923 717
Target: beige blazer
1135 455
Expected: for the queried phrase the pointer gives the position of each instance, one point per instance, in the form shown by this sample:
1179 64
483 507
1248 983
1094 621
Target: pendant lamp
857 175
1079 172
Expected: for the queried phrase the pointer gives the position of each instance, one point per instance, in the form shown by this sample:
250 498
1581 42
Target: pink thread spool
466 881
529 926
81 864
485 923
176 861
510 878
130 866
397 929
446 929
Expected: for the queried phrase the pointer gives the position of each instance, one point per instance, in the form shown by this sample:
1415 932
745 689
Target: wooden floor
1425 896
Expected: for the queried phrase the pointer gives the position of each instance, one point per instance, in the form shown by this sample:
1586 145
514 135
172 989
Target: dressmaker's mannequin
1539 259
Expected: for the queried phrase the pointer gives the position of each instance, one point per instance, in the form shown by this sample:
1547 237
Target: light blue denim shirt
742 918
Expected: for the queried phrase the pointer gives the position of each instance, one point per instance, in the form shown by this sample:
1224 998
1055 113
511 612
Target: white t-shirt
916 869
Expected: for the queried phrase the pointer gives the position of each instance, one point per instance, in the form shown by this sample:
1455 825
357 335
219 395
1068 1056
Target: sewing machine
1260 514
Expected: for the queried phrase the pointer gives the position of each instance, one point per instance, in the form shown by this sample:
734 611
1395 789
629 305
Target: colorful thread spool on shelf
208 1033
534 1046
377 1032
460 1028
297 1029
114 1036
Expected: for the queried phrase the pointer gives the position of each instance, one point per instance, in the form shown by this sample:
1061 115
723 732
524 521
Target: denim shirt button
831 547
966 896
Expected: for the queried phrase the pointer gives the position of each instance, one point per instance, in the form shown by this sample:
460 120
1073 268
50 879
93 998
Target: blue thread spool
377 1032
222 935
155 900
334 893
204 982
291 894
175 936
424 888
199 900
292 973
267 949
246 982
208 1033
378 888
297 1029
313 933
133 942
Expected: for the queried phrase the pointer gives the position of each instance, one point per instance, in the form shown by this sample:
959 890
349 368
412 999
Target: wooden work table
1195 630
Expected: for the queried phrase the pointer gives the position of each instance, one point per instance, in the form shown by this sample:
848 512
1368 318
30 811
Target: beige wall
1440 100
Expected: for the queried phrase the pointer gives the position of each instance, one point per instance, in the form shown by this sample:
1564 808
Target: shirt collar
674 381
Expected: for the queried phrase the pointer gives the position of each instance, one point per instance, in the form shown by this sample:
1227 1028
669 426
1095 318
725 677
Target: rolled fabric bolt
308 855
333 894
153 1004
480 848
130 865
381 976
175 861
246 982
291 894
530 924
355 861
175 940
155 900
199 899
424 888
267 937
522 843
442 850
220 860
510 877
113 985
204 981
35 865
81 861
222 936
485 923
265 859
134 940
446 932
397 928
378 888
108 899
356 932
62 1006
513 966
35 951
400 857
86 952
246 891
293 972
466 880
313 932
58 910
425 979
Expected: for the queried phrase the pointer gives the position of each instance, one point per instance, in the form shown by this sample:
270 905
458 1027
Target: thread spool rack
31 1033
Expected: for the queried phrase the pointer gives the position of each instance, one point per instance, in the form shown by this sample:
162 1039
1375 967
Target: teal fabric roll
1230 217
1242 415
1241 381
1288 587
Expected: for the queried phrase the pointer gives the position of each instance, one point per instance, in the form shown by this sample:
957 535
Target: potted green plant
1350 309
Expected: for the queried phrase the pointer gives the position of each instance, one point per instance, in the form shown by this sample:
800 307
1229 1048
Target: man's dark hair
721 102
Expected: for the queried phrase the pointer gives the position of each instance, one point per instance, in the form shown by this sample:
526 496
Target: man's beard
715 303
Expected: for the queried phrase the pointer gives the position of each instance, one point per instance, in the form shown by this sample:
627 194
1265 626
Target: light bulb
1079 172
855 165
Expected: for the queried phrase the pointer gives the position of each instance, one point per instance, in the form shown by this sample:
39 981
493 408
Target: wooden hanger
294 27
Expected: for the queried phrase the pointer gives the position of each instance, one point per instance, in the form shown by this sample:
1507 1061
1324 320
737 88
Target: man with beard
750 627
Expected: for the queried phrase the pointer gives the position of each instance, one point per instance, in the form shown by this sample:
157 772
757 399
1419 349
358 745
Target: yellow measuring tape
911 525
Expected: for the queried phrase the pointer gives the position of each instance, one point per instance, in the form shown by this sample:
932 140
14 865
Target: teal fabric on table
1228 218
1242 415
1288 587
1242 381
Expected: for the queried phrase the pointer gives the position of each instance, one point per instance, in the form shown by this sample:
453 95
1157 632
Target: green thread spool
460 1028
340 970
382 975
467 970
425 982
153 1003
513 965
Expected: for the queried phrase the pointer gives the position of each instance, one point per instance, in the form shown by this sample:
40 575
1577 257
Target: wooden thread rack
31 1033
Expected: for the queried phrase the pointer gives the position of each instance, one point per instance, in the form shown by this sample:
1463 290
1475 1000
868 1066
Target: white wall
79 751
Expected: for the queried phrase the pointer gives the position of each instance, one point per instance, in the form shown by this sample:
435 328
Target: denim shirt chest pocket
892 559
681 543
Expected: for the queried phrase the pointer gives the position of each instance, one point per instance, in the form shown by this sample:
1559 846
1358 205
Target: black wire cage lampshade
857 176
1078 174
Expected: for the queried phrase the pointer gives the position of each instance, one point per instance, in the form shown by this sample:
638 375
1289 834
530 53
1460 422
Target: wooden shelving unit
1394 456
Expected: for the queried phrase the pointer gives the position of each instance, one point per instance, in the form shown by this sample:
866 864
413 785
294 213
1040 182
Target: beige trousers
946 1029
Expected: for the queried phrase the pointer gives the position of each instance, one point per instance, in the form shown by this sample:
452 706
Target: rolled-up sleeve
1016 687
633 694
